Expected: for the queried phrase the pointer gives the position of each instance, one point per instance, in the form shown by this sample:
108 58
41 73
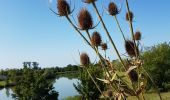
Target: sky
30 32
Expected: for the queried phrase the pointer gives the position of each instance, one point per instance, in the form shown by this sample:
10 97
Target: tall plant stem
90 46
95 83
102 62
117 22
104 26
153 84
131 27
133 37
83 36
143 96
78 31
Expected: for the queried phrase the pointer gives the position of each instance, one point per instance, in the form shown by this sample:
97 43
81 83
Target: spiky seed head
129 16
104 46
63 8
89 1
113 10
85 19
96 39
84 59
138 35
130 48
110 93
133 75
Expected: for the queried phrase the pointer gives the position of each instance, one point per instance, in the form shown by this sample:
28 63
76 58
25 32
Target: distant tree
35 65
25 64
29 64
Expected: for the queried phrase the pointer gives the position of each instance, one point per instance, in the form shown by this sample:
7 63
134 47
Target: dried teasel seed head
63 8
130 48
110 93
133 75
112 8
129 16
84 59
138 35
96 39
85 19
89 1
104 46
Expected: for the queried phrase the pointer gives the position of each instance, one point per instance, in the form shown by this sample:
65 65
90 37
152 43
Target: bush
157 63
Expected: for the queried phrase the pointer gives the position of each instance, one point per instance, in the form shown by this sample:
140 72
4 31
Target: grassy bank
5 84
148 96
153 96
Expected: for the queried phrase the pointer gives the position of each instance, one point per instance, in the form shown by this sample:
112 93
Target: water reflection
35 85
5 94
62 85
65 87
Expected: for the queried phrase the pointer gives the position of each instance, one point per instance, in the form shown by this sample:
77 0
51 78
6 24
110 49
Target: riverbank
148 96
4 84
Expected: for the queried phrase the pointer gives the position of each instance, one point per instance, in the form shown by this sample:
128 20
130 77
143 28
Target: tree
34 86
86 87
157 62
35 65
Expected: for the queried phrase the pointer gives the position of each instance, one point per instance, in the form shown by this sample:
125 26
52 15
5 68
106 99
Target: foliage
34 86
86 87
152 96
73 98
157 63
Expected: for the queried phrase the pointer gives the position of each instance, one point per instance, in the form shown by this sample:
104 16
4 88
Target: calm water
63 85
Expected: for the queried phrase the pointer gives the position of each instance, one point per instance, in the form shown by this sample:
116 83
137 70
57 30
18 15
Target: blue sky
30 32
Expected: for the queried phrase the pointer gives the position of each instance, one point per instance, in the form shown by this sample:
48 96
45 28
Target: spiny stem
105 54
95 82
143 96
102 61
117 22
131 27
107 71
104 26
78 31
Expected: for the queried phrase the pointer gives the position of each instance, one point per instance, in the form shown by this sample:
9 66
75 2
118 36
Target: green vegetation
157 63
86 87
34 85
153 96
35 82
148 96
73 98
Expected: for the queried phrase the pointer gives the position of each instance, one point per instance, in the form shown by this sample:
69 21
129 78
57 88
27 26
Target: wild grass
153 96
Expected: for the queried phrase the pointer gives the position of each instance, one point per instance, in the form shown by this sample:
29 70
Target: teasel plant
131 80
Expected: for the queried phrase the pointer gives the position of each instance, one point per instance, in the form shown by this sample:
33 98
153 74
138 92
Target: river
63 85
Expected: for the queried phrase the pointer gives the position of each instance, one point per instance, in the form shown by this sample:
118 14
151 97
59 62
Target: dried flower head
129 16
110 93
89 1
113 10
85 20
104 46
96 39
130 48
63 8
133 75
138 35
84 59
